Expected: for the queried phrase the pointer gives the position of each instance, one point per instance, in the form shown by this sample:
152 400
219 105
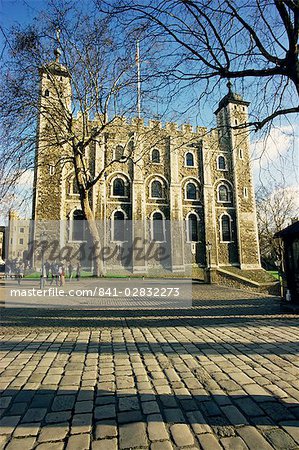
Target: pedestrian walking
70 269
61 275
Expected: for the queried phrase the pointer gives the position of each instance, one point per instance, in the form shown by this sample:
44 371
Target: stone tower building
154 174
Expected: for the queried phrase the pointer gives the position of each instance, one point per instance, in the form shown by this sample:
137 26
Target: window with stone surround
156 156
158 227
118 226
78 226
189 159
221 163
226 228
192 228
119 188
224 193
191 191
156 189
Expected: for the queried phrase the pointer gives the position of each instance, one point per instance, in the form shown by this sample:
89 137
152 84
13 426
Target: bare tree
276 207
95 71
255 42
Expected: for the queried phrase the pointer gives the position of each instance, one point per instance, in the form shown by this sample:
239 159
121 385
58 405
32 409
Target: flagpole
138 81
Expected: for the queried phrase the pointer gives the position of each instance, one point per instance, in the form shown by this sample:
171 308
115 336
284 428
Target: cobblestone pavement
222 375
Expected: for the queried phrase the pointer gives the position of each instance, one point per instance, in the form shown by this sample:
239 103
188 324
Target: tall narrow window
191 191
226 228
192 228
189 159
118 226
223 193
155 155
158 227
156 189
119 187
221 163
78 226
47 93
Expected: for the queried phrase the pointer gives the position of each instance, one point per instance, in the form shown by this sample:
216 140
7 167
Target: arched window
226 234
118 226
191 191
47 93
221 163
119 152
224 194
119 189
189 159
156 189
155 155
78 226
158 227
192 223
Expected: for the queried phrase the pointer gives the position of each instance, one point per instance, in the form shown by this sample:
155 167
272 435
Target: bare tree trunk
98 267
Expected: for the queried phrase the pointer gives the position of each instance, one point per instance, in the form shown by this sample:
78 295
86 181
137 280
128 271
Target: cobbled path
222 375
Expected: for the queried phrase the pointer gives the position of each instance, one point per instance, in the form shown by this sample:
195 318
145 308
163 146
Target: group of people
58 271
16 268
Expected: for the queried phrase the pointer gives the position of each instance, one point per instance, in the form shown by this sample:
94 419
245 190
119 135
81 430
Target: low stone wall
222 277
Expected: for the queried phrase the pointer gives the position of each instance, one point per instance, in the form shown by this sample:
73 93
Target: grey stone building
155 174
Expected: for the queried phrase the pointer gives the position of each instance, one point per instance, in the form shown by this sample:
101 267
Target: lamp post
208 268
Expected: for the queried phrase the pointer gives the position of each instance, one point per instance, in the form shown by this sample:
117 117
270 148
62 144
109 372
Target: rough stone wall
54 199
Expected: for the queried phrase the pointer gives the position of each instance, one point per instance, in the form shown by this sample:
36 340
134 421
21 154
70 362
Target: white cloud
275 156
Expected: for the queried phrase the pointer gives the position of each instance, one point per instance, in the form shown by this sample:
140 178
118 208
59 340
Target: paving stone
105 412
21 444
5 401
42 400
50 446
253 439
132 435
28 429
3 441
280 439
63 402
233 443
182 435
291 427
198 423
234 415
165 445
249 407
128 404
174 416
150 407
129 416
81 423
84 406
156 428
78 442
106 429
55 432
208 442
34 415
8 424
58 417
105 444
